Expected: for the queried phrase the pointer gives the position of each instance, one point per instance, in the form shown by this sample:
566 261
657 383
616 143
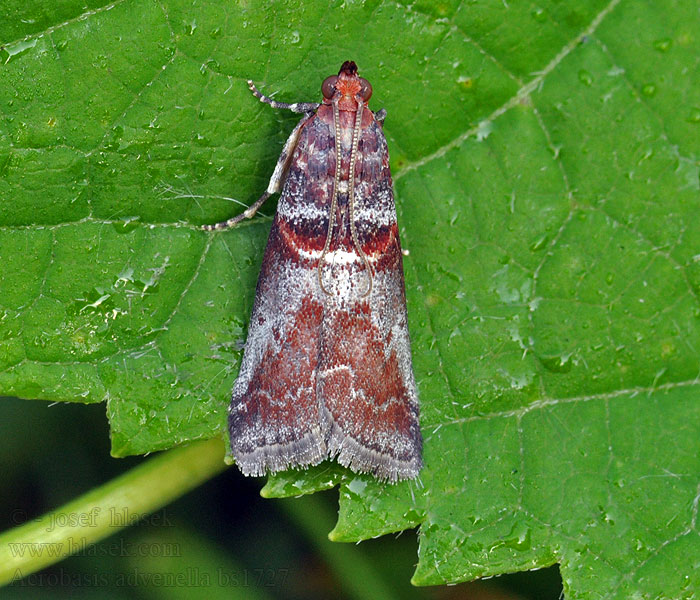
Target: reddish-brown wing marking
365 376
327 365
274 416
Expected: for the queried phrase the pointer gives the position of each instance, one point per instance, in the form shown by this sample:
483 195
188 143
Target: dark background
222 539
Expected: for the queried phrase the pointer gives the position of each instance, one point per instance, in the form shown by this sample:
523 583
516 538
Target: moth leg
297 107
380 115
275 184
246 214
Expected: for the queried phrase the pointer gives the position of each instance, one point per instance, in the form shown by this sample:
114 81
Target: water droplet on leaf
12 51
539 243
557 364
662 45
585 77
465 82
539 15
126 224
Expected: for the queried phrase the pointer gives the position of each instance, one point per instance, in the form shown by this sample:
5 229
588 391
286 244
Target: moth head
347 87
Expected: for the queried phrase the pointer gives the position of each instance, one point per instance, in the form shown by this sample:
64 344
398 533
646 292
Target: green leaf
546 172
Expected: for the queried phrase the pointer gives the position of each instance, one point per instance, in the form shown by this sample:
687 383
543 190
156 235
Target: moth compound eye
365 90
328 86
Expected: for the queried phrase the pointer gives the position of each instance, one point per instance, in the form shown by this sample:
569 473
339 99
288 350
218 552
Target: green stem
358 577
108 508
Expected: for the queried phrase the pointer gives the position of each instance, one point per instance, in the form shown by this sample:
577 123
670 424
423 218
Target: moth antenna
351 197
334 199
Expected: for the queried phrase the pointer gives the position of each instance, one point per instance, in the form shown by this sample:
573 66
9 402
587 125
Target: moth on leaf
326 370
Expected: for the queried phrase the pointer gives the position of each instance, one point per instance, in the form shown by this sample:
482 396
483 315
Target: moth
326 370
